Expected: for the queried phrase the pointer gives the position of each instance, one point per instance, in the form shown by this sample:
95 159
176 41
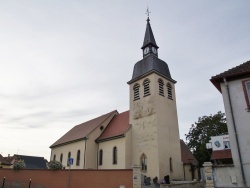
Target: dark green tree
200 133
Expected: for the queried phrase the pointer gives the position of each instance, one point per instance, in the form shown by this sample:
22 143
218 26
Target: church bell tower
153 114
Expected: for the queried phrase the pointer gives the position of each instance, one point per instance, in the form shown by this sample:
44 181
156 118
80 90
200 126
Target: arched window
100 157
136 92
170 164
161 89
61 157
169 87
54 158
143 162
146 87
115 155
78 157
69 155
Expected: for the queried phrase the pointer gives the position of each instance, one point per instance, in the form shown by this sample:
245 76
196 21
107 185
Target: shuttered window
169 88
146 87
161 89
136 92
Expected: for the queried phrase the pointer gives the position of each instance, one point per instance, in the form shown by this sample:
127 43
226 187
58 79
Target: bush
19 164
55 165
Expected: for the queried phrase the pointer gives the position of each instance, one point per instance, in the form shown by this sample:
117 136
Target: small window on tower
146 87
161 89
136 92
169 87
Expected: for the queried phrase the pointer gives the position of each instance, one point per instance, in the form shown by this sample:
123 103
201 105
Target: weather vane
147 11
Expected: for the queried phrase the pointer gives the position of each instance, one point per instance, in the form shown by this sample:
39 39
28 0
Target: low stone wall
185 185
60 178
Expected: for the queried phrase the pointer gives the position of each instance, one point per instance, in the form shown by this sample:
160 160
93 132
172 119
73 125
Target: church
146 135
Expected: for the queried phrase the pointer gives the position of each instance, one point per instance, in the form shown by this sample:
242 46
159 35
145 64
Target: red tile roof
118 126
222 154
3 161
186 155
237 72
81 131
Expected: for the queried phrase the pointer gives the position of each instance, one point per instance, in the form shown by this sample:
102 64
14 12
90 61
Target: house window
146 87
115 155
143 162
170 164
226 144
246 88
136 92
61 157
169 88
69 155
54 158
100 157
161 89
78 157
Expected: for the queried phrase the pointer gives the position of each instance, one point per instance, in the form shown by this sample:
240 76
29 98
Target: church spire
149 36
149 45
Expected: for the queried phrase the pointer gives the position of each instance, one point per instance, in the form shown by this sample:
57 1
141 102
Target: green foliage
19 164
201 132
55 165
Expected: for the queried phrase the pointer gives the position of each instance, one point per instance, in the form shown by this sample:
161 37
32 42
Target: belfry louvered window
169 88
161 89
146 87
136 92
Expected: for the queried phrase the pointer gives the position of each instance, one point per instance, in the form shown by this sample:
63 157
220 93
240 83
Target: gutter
236 134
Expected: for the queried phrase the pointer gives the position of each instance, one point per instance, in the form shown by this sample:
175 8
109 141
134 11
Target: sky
65 62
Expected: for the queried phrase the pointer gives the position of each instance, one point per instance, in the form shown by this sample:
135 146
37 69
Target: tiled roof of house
4 161
186 155
237 72
32 162
10 159
118 126
221 154
82 130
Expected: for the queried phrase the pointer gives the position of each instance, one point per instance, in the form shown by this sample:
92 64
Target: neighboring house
4 163
31 162
189 162
221 150
147 135
234 84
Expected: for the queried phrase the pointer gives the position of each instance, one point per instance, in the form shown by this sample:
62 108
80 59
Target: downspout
97 155
235 132
84 161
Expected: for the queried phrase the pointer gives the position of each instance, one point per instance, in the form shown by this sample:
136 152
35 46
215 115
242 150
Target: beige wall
188 174
155 130
73 148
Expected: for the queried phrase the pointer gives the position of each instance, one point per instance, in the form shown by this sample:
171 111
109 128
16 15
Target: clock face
146 50
154 50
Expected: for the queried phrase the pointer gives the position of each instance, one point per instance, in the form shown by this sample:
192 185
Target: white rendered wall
242 123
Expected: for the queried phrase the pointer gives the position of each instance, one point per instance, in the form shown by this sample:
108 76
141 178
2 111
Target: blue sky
65 62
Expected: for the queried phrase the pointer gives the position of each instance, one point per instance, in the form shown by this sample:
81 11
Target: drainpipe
85 153
97 156
235 132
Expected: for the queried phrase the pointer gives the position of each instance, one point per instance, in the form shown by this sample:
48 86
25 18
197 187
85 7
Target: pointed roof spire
149 36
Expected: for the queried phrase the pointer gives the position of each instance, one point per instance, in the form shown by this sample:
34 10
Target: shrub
19 164
55 165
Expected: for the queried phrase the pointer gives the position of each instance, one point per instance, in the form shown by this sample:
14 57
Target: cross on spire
147 12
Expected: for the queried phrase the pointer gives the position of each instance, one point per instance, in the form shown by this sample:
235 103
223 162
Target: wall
223 176
73 148
59 179
107 148
242 119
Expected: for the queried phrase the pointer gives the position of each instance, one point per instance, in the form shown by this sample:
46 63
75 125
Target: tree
200 133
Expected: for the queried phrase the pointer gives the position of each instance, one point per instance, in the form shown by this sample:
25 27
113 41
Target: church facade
146 135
